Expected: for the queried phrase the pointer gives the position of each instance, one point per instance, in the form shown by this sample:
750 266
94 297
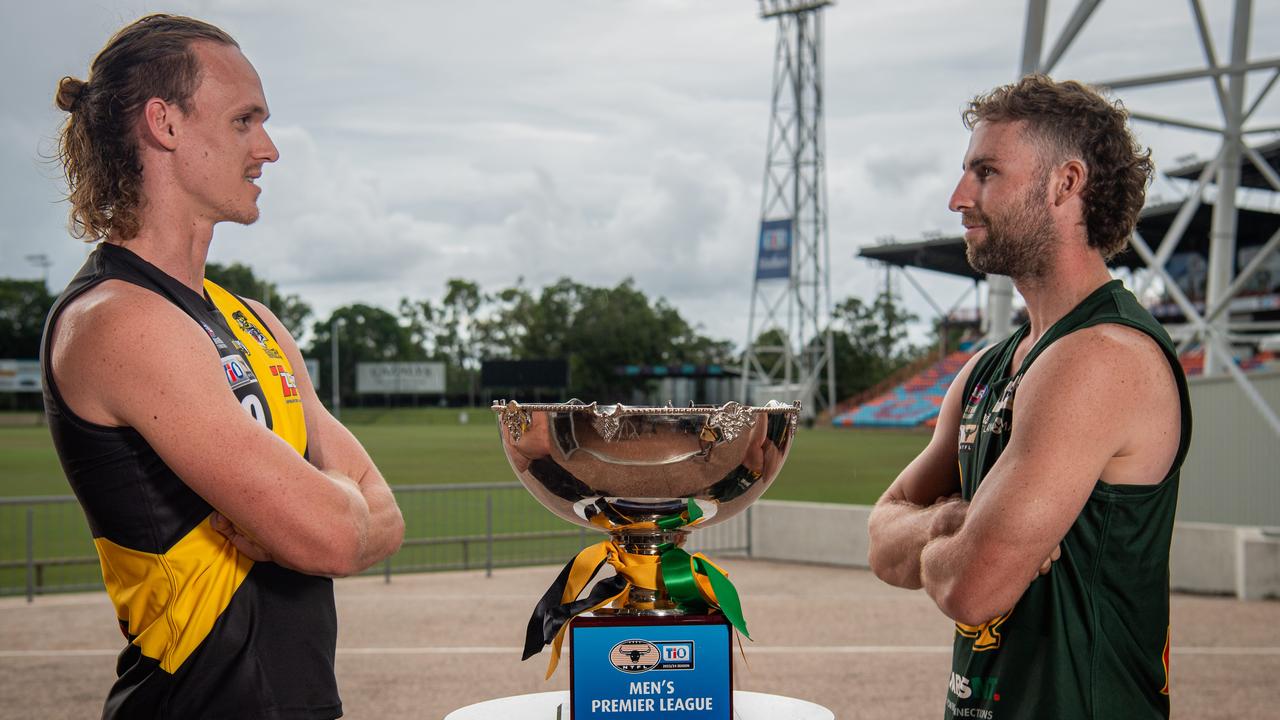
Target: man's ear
1068 181
160 123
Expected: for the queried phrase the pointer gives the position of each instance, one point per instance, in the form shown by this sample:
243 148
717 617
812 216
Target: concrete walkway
427 644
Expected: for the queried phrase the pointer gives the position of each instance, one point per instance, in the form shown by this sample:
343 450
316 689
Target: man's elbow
335 552
969 605
395 535
897 577
896 573
899 568
359 551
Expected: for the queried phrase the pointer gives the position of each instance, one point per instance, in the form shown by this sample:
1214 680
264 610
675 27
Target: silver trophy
629 470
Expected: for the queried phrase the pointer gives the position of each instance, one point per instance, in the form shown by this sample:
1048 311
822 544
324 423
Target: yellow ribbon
642 571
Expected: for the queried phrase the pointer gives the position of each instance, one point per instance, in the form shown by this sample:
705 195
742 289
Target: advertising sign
313 369
19 376
774 257
399 378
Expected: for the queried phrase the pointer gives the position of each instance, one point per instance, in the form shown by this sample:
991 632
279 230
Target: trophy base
676 666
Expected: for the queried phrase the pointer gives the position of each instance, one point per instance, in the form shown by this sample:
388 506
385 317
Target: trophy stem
646 601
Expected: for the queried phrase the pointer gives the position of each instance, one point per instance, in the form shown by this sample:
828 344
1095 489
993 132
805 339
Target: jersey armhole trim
46 368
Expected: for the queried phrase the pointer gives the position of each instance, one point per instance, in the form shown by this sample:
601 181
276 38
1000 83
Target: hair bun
69 91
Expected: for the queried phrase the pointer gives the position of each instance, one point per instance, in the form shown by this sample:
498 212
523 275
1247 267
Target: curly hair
1075 121
98 144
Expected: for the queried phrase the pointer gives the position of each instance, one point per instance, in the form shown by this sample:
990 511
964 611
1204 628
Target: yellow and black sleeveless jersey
211 634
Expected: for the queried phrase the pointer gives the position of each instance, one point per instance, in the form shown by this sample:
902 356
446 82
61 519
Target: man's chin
983 264
246 217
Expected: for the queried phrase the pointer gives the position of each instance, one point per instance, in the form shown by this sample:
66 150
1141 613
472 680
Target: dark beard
1019 243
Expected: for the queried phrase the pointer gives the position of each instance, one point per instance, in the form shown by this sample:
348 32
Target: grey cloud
493 140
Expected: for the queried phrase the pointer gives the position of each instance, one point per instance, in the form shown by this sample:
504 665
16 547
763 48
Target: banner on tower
774 259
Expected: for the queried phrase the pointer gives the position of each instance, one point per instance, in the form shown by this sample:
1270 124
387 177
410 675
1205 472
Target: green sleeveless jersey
1090 639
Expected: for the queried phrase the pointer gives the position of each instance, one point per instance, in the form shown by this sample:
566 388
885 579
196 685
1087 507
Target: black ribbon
550 615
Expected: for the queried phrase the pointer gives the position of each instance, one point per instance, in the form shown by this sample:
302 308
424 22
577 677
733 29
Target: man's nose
962 196
268 151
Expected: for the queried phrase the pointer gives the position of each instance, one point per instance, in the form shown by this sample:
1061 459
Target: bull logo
634 656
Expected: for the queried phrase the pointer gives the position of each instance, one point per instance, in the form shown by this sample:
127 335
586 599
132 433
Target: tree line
596 329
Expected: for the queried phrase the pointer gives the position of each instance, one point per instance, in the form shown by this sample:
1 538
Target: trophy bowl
633 471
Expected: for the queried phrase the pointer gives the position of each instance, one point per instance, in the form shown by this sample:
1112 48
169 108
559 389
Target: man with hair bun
221 495
1039 516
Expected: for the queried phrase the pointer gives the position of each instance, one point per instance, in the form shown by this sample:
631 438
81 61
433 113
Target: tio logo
677 653
965 688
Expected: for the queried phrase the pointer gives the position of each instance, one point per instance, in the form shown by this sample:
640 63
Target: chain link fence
46 547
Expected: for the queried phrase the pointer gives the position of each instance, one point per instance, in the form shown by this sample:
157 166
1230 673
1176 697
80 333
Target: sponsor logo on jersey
252 331
999 417
985 636
217 341
237 370
288 384
968 436
975 397
982 688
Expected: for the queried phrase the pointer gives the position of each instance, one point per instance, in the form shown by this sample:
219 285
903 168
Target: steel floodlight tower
1211 327
797 359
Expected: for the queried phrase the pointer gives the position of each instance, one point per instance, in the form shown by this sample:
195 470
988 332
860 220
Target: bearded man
1040 514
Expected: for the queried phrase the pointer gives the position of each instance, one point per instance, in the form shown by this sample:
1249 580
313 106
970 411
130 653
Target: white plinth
542 706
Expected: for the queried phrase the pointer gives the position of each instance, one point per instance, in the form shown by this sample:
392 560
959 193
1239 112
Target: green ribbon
678 575
691 514
679 571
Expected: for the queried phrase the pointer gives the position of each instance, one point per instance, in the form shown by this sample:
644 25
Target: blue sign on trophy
668 668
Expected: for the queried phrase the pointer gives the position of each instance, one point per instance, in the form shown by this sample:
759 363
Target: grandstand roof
946 254
1249 175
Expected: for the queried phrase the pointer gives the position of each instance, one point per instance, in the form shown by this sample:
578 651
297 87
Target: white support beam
1216 344
1207 335
1175 293
1254 265
1073 27
1183 219
1210 56
1174 122
1225 220
1262 94
1181 75
1264 167
923 293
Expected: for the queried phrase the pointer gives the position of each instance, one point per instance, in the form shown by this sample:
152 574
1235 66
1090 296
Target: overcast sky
494 141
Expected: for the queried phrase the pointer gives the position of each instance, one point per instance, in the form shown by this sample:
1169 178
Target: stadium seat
911 404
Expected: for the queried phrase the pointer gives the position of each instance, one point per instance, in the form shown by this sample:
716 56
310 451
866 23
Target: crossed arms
333 518
1093 406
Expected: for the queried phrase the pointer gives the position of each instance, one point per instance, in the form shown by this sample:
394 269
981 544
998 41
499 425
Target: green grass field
418 446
